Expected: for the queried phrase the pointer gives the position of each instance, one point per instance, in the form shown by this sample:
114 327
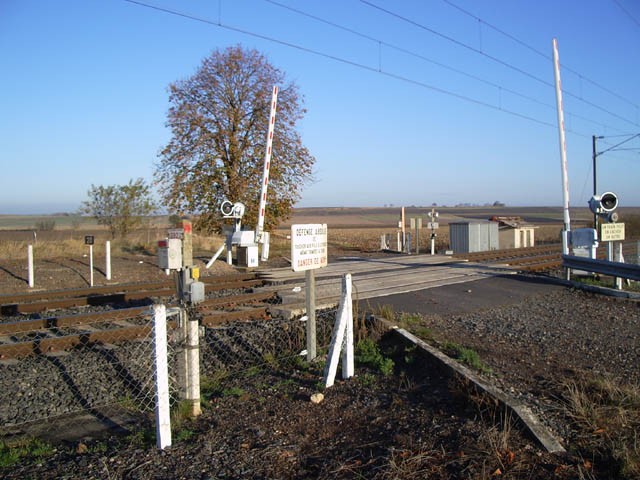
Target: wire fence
242 345
89 376
102 370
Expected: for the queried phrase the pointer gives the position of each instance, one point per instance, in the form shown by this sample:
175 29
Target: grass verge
606 413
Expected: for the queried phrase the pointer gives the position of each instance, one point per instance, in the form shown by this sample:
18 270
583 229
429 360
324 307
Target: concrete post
310 300
192 348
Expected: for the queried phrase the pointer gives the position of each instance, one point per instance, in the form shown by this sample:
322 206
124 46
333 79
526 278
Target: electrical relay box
170 254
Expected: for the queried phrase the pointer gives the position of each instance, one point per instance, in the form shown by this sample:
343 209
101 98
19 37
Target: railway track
73 329
541 258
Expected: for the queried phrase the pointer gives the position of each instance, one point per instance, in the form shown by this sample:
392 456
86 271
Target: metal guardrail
614 269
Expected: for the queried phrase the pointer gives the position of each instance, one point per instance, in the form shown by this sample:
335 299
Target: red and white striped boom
265 171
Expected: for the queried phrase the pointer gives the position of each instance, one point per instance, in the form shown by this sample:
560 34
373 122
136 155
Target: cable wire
494 59
539 52
378 70
414 54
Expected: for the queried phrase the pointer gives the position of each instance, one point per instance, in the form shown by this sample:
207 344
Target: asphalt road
466 297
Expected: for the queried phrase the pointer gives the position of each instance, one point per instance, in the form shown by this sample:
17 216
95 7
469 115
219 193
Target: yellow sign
611 232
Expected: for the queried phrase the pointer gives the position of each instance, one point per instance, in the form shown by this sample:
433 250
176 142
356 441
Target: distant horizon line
463 205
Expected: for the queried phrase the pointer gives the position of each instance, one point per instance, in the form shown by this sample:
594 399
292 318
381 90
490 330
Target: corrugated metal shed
473 236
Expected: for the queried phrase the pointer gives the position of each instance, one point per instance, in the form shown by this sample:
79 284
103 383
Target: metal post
404 233
310 299
108 259
595 189
30 265
91 265
563 153
618 257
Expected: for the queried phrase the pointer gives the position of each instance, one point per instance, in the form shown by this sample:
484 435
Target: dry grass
70 243
607 413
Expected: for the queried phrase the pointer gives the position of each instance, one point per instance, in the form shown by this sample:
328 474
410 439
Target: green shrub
368 353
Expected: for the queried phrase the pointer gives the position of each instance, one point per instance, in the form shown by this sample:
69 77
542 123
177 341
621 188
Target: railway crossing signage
175 233
308 246
612 232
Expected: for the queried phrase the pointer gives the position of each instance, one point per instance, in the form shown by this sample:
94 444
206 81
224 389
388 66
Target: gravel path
535 336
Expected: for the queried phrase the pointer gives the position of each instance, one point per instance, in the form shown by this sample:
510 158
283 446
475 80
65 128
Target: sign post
433 226
611 233
88 240
308 252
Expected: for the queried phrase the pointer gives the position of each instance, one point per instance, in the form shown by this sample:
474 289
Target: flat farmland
388 217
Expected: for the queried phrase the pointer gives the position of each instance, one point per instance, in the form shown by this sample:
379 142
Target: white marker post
342 338
163 410
308 252
108 259
30 265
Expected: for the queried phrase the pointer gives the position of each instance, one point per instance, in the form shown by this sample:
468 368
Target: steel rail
48 338
24 304
66 321
91 300
216 319
236 300
215 283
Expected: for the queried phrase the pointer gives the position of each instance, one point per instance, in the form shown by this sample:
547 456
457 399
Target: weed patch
368 353
12 453
465 355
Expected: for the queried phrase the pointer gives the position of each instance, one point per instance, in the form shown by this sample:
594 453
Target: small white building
515 232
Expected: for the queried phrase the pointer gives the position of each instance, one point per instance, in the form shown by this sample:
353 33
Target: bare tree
219 120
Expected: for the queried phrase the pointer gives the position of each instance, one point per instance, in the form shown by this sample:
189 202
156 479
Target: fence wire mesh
109 361
242 345
88 367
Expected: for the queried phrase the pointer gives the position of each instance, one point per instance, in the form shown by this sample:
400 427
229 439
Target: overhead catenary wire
420 56
494 59
220 24
539 52
634 19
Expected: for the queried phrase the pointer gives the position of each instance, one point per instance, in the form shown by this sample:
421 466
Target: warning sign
612 232
308 246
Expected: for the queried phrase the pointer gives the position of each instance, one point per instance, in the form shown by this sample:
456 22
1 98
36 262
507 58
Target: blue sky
418 102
